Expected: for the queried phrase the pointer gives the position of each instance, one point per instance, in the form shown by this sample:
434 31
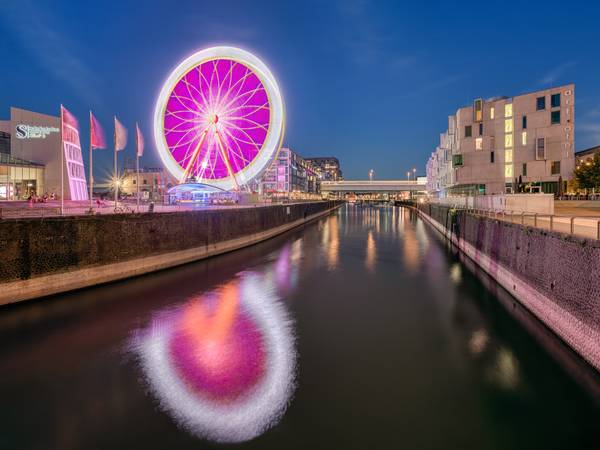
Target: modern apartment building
507 144
290 173
329 166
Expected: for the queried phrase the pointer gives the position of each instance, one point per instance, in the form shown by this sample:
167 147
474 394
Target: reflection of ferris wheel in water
219 118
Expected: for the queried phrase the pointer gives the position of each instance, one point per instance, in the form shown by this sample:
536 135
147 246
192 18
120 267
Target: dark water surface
362 330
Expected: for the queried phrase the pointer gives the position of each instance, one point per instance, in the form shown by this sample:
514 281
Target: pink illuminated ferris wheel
219 118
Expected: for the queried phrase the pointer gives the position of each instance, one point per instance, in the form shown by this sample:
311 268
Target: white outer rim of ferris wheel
276 127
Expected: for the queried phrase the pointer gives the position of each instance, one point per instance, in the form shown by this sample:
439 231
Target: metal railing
585 226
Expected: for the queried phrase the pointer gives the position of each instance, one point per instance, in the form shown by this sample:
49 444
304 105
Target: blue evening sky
369 82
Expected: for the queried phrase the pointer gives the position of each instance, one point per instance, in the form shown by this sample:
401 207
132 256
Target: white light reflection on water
223 364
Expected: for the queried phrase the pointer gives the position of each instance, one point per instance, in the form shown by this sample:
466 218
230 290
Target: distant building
290 174
154 183
583 156
329 167
493 145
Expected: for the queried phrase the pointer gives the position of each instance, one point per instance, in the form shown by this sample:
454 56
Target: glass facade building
19 179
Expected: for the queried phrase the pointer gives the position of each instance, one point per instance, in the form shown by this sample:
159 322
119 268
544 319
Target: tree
587 174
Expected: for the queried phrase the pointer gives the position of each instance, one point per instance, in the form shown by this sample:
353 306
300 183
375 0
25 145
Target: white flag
120 135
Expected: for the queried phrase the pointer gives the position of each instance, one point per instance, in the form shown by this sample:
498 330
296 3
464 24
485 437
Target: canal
360 330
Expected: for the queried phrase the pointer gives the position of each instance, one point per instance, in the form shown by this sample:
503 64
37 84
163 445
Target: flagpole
91 165
137 167
62 162
115 180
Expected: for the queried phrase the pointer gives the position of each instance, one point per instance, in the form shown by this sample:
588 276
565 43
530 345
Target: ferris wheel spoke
241 83
250 140
201 77
230 73
249 93
255 108
197 103
253 122
240 152
180 99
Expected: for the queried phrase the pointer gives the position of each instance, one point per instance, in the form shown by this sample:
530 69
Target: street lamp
408 176
371 175
414 173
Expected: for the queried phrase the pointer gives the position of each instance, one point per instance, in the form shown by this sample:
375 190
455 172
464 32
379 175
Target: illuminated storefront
19 178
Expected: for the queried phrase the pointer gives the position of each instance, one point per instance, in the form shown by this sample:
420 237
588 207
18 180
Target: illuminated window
524 138
508 112
479 144
508 154
492 112
508 171
508 125
508 140
478 110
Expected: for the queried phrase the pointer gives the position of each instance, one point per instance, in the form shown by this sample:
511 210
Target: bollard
572 225
535 220
598 231
551 221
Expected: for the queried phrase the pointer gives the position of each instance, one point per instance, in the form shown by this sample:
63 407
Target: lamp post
414 173
371 175
408 176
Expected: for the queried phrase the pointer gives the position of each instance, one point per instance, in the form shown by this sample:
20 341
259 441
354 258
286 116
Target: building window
555 117
481 129
468 131
524 169
508 140
492 142
492 157
492 111
524 138
478 110
540 103
540 148
508 110
134 182
524 122
508 171
508 156
555 168
457 160
555 100
508 125
478 143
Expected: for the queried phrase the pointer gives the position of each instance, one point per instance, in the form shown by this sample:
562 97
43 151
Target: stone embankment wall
46 256
554 275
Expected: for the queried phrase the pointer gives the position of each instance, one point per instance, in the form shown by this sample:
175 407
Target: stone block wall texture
36 247
564 268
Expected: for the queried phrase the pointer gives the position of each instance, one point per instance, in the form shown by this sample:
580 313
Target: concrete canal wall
47 256
555 276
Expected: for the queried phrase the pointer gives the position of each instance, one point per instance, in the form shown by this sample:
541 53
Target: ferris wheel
219 118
